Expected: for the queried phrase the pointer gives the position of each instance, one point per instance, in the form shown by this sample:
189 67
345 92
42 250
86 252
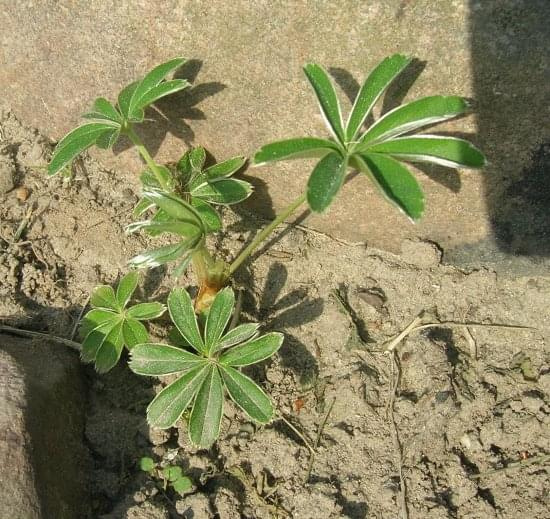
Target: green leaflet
95 338
226 191
328 101
445 151
146 311
395 182
206 416
373 87
133 332
305 147
183 316
103 296
411 116
159 359
218 317
224 169
76 142
240 333
325 181
247 395
110 349
94 318
173 205
210 217
156 257
103 109
168 406
142 91
253 351
126 288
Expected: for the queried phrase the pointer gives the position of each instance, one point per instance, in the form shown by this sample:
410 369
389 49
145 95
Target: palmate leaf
374 152
305 147
202 376
445 151
206 416
395 182
374 86
325 181
76 142
109 326
328 101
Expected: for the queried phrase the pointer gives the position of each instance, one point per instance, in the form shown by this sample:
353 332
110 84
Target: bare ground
454 424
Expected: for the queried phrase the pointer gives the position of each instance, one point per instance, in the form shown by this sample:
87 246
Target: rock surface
248 89
42 456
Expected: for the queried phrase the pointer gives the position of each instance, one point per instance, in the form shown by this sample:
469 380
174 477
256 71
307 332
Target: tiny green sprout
111 324
171 475
378 151
108 122
203 374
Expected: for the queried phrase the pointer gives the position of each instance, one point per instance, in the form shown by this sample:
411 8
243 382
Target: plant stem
133 136
283 215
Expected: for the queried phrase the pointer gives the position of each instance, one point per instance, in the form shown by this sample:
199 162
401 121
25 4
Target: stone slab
42 454
57 56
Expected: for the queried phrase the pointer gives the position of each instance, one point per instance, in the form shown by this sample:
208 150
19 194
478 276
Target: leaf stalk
264 234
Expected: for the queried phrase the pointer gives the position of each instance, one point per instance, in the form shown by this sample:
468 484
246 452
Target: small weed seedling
169 475
181 200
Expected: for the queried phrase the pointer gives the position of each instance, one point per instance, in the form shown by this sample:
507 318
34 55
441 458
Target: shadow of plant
170 114
293 309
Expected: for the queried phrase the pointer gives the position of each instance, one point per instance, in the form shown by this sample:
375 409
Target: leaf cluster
377 151
206 367
170 475
108 122
186 207
112 325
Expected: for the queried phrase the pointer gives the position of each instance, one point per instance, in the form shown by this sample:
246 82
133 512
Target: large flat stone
42 455
249 89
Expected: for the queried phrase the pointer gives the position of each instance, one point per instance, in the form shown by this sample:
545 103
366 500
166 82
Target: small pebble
22 193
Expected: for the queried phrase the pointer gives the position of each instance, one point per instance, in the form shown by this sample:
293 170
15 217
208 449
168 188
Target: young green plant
207 372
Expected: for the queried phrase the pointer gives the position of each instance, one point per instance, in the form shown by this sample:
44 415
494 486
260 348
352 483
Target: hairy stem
138 143
283 215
